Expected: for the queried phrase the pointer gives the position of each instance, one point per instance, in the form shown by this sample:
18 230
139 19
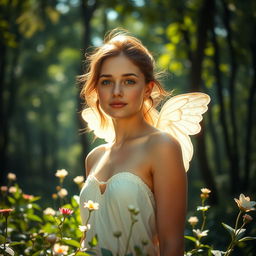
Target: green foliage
33 231
237 233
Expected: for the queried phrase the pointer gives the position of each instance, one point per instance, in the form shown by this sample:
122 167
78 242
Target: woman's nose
117 90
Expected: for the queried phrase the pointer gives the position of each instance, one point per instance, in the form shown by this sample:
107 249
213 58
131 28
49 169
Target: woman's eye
105 82
129 82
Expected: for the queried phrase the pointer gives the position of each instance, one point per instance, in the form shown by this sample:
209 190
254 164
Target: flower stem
204 221
60 227
6 224
237 219
52 250
203 216
238 231
234 235
84 234
129 236
118 246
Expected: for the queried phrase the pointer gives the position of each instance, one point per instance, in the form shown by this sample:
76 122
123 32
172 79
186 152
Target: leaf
36 206
52 14
239 233
138 251
71 242
229 229
94 241
34 217
11 200
37 253
74 201
16 243
191 238
35 198
106 252
246 238
83 254
2 239
205 246
69 206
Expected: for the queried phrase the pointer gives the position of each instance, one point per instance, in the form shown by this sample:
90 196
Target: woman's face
121 87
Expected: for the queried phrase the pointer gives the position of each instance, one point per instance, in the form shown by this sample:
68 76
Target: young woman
141 165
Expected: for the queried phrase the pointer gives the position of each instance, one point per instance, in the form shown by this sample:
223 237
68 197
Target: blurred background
203 45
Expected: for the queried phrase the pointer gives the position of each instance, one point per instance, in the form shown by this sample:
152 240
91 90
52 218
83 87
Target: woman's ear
149 88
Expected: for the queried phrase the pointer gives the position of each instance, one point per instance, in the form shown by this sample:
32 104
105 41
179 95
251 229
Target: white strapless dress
122 189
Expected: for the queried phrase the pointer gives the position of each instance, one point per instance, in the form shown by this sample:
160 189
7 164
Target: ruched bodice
121 190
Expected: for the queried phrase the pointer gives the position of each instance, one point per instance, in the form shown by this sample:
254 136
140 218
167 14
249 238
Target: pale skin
141 149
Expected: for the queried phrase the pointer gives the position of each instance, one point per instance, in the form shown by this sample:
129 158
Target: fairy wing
180 117
93 121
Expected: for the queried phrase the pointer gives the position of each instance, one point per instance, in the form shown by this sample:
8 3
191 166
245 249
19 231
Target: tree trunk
250 124
7 83
87 14
204 24
218 166
220 89
3 121
234 164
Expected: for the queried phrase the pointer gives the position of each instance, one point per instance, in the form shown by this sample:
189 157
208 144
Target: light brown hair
120 42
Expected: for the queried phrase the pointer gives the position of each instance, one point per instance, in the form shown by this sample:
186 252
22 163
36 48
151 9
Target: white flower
200 233
244 203
203 208
91 205
193 220
205 190
12 189
11 176
60 249
84 228
62 193
205 193
217 252
49 211
132 209
62 173
78 179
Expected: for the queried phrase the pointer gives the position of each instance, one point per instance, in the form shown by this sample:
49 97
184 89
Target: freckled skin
129 89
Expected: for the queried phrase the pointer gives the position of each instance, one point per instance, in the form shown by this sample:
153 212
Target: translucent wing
93 121
180 117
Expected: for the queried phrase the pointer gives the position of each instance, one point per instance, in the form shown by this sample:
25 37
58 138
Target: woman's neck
128 129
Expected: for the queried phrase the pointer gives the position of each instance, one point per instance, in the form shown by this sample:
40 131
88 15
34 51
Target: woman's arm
170 188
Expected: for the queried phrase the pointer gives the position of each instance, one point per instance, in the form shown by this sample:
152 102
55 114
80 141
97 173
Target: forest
201 46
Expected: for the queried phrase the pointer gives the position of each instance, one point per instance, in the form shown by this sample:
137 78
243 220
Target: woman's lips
117 105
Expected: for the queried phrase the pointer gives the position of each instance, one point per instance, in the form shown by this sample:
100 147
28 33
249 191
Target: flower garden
27 229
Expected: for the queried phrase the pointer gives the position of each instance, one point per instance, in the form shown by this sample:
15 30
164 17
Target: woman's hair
115 43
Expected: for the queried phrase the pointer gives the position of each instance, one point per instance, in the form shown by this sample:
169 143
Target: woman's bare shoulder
164 153
162 139
93 156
